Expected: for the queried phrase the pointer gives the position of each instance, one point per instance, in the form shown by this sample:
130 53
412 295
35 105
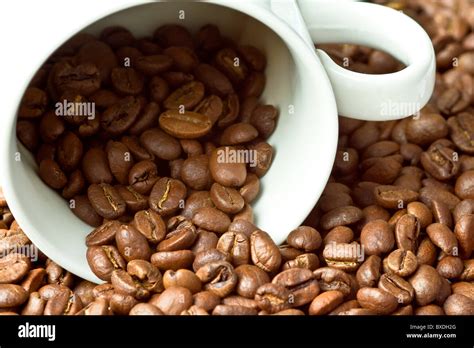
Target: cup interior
304 141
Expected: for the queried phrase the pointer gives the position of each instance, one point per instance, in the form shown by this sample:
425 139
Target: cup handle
373 97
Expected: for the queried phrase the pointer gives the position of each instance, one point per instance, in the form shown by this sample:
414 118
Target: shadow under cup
304 141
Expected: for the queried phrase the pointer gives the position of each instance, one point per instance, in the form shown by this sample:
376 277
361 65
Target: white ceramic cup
297 82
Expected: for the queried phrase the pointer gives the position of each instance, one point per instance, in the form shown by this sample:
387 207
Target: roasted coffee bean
377 237
462 131
264 118
340 217
181 238
398 287
119 117
427 284
133 200
174 260
143 176
206 300
195 172
75 185
132 244
120 161
218 277
34 280
211 219
407 231
104 234
227 168
442 237
440 162
82 208
301 283
184 98
106 201
333 279
264 252
33 103
103 260
160 144
305 238
458 304
236 245
307 261
392 197
215 81
250 278
95 167
211 106
326 302
173 300
369 272
377 300
402 262
273 297
167 196
346 257
426 128
226 199
52 174
465 185
57 275
450 267
35 305
13 267
230 111
463 231
153 64
27 134
63 303
238 133
150 224
127 80
183 278
196 200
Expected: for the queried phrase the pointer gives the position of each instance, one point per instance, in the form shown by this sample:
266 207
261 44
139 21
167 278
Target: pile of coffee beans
393 233
120 125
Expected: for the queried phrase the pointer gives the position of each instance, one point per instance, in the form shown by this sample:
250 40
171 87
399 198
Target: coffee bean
369 272
264 252
75 185
442 237
465 185
392 197
218 277
340 217
104 234
143 176
229 171
326 302
206 300
301 283
427 284
426 128
103 260
51 127
173 300
377 237
346 257
160 144
195 172
167 195
119 117
402 262
264 118
458 304
181 238
273 297
236 245
211 106
33 103
450 267
333 279
95 167
238 133
153 64
211 219
132 244
174 260
215 81
226 199
82 208
377 300
106 201
52 174
462 131
13 267
182 278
